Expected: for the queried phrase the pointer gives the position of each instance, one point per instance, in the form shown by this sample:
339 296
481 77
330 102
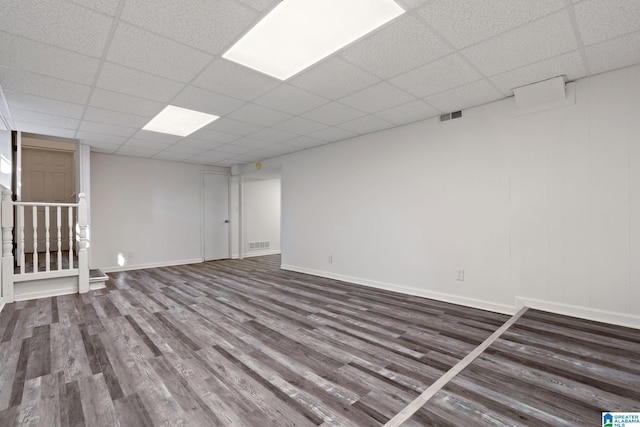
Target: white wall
261 214
542 209
148 210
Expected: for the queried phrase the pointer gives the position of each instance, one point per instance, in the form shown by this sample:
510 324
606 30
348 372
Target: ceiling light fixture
299 33
179 121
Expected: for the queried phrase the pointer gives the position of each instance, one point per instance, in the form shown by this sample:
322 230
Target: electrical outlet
460 274
330 259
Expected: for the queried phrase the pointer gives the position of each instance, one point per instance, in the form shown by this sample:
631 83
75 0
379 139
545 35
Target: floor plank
244 343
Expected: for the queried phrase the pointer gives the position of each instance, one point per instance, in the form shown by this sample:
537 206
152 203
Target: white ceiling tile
465 22
215 155
616 53
333 114
105 6
43 86
234 127
95 138
334 78
366 124
173 156
250 142
256 114
211 26
235 149
213 135
281 148
206 102
261 5
136 151
101 147
114 101
44 130
437 76
24 54
247 158
188 149
469 95
291 100
145 51
273 135
300 125
84 31
114 118
156 136
44 119
142 143
376 98
533 42
332 134
411 4
137 83
229 78
401 46
306 142
43 105
196 144
106 129
569 64
408 113
601 20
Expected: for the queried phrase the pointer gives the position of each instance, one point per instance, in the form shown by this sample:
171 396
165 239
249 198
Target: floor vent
259 246
451 116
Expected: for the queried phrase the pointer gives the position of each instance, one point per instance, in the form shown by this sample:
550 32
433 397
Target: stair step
97 276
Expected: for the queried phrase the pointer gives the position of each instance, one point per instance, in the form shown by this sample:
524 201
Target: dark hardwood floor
244 343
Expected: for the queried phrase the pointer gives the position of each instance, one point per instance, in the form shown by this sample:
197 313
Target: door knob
226 221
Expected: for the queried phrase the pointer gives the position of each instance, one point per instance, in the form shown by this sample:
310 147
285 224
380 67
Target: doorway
48 175
216 235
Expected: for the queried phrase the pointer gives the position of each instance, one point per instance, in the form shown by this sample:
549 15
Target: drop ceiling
98 70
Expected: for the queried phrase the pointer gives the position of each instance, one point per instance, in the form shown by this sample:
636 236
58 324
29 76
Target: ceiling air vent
451 116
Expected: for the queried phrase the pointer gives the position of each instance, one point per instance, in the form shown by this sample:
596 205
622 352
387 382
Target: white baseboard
3 302
260 253
587 313
454 299
114 269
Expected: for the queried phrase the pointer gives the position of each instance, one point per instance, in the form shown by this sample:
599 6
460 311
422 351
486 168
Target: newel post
83 255
7 245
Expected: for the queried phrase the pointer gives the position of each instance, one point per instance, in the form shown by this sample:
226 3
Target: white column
7 246
83 256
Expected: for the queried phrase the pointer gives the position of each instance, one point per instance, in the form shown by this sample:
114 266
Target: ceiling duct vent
451 116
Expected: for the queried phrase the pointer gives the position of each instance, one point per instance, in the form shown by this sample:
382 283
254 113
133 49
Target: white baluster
70 238
21 232
35 238
47 243
59 224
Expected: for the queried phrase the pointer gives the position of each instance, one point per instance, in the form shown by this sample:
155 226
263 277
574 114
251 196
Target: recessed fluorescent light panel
179 121
299 33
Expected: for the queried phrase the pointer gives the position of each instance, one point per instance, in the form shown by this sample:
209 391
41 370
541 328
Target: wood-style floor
244 343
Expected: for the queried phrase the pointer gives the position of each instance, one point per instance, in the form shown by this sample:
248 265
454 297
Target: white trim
454 299
69 290
3 302
97 285
43 275
114 269
261 253
621 319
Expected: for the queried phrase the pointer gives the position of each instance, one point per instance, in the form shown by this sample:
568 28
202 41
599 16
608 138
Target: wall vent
259 246
451 116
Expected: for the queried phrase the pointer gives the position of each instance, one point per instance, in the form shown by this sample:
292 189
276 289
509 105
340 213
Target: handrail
38 204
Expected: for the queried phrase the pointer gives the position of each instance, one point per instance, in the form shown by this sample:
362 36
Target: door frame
202 212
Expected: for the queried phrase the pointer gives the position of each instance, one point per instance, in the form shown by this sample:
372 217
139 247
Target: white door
215 190
47 176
